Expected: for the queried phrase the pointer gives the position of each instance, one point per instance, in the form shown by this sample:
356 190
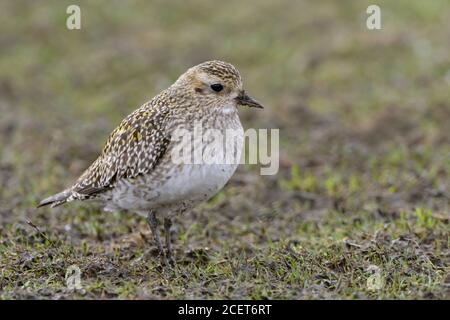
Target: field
359 209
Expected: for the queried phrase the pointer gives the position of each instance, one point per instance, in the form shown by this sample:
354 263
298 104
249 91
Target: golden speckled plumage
133 148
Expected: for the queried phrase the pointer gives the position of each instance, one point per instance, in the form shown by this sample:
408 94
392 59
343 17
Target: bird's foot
169 255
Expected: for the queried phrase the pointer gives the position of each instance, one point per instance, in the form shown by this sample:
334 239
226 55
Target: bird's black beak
244 99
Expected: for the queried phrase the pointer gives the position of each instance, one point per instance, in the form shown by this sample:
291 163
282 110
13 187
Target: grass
362 195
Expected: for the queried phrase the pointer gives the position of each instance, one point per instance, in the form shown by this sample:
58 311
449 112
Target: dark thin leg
153 223
167 225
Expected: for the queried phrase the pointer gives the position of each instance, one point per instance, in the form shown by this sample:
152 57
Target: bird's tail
57 199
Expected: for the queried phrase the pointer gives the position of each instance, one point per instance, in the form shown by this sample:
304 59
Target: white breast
199 182
195 182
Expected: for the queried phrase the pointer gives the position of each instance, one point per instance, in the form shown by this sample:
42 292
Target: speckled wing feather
133 148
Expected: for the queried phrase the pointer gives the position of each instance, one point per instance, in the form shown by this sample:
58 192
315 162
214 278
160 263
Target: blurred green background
364 126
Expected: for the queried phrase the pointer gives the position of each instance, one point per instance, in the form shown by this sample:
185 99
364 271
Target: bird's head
217 82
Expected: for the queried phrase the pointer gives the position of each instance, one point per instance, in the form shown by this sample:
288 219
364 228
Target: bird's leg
167 225
153 223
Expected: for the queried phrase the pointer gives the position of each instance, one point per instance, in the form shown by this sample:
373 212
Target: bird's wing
133 148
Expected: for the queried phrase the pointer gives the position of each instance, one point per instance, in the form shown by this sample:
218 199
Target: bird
136 171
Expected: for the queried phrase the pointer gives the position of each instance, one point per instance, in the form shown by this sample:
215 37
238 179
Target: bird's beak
244 99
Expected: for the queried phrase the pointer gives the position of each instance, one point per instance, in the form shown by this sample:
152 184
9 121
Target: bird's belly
184 186
195 182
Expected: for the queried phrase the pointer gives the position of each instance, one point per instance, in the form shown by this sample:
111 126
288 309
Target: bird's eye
217 87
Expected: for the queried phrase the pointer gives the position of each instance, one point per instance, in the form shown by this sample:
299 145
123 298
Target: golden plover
136 170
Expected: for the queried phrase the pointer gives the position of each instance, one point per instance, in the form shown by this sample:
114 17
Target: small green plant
299 181
425 218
